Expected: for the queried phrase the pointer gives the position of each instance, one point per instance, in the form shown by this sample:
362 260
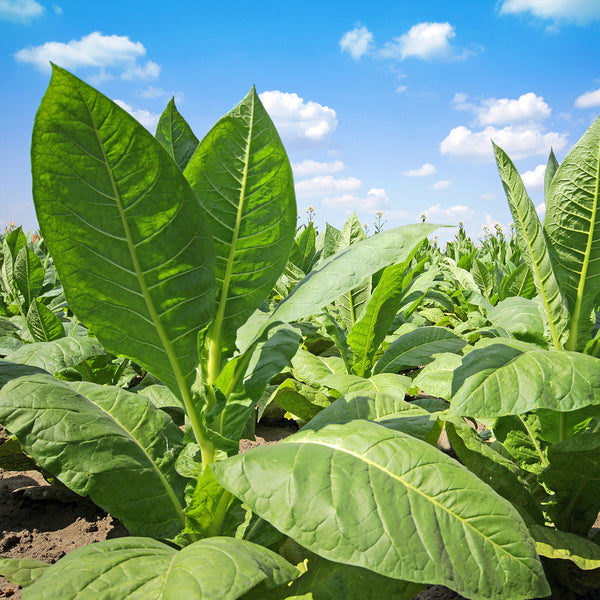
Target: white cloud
426 41
454 214
57 9
146 118
588 99
401 89
93 50
323 185
149 70
299 120
375 199
357 42
441 185
541 209
524 133
20 11
426 169
517 142
534 178
313 167
575 11
505 111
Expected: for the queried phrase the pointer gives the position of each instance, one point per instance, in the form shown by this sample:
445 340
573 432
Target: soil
44 522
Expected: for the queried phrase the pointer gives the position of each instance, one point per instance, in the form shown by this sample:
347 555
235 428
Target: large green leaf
521 318
43 324
436 377
348 268
389 383
135 568
58 354
22 571
574 477
104 442
242 178
498 471
417 348
328 580
128 237
572 227
533 247
509 377
351 304
551 169
176 136
28 275
388 410
367 335
518 283
364 495
566 546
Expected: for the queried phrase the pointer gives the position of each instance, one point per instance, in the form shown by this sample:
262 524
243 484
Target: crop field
171 300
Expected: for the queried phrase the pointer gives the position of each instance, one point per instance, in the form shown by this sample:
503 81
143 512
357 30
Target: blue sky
382 106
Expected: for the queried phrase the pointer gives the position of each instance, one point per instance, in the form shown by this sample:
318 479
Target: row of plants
170 287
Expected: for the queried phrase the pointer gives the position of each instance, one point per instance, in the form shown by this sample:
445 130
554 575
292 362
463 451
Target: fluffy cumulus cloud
588 100
312 167
357 42
297 120
574 11
95 50
426 41
504 111
535 177
146 118
452 215
20 11
423 41
325 185
376 199
423 171
516 125
443 184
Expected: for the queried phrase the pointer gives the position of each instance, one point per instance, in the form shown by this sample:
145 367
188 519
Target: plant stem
217 521
562 427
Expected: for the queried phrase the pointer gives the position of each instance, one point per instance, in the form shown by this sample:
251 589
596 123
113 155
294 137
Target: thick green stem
217 522
562 427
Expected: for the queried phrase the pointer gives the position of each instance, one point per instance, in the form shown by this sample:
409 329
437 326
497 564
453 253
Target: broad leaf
312 369
57 355
417 348
43 324
435 378
144 569
176 136
389 383
518 283
566 546
328 580
97 440
22 571
367 335
532 244
521 318
242 178
572 227
512 378
551 169
28 275
499 472
128 238
387 410
348 268
330 490
574 477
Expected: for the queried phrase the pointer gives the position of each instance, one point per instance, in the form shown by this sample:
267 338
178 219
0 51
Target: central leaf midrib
572 342
220 316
